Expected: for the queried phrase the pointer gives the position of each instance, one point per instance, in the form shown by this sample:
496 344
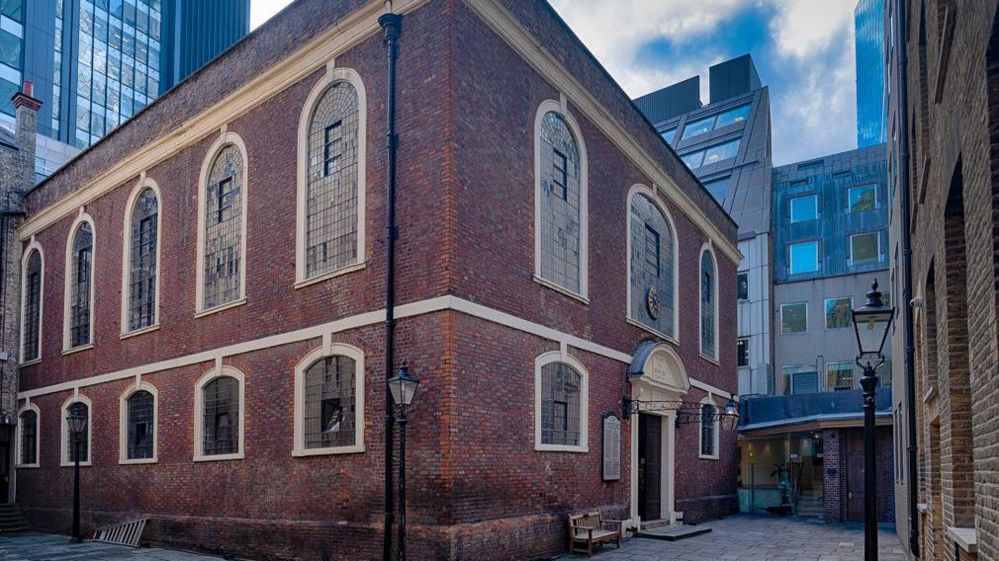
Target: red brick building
207 285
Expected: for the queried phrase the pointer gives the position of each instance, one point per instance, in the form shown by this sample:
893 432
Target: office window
721 152
668 135
865 248
11 9
804 257
839 375
560 253
699 127
694 159
800 380
863 198
742 352
718 187
804 208
732 116
10 49
839 313
794 318
80 278
742 285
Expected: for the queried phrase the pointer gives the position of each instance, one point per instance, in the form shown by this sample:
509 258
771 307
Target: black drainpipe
910 371
392 24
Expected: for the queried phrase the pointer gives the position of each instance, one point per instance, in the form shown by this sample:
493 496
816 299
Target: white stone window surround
199 417
33 246
709 249
28 406
224 139
67 343
715 432
303 365
584 397
332 76
65 451
126 256
560 108
123 423
637 189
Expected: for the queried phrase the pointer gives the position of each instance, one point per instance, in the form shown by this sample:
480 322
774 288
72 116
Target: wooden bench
587 530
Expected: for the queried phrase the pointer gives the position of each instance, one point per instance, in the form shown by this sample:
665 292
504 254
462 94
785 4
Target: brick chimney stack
26 108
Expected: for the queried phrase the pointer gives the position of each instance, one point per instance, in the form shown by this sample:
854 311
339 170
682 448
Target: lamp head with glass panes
871 322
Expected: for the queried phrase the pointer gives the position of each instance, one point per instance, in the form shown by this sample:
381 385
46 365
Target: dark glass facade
870 47
11 51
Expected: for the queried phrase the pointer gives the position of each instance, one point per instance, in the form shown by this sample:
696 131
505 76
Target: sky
803 49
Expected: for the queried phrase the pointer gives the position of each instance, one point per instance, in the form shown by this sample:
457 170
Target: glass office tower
11 51
870 46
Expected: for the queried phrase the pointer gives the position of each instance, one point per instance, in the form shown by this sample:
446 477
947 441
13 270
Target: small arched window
223 217
561 403
27 437
560 224
79 284
140 413
709 431
652 265
709 306
31 326
142 261
77 405
218 425
329 402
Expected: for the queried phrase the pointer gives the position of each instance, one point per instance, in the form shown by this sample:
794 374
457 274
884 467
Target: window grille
32 306
708 430
78 408
221 416
29 438
707 305
651 264
79 296
560 204
652 250
560 413
223 228
331 198
142 266
141 431
330 403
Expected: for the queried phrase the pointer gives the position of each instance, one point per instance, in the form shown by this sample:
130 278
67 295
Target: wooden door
5 467
650 447
855 475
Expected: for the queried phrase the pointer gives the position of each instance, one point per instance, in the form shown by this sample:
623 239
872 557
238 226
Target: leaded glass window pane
142 265
560 404
330 403
221 416
331 200
560 204
32 306
651 264
223 228
708 430
79 286
29 438
707 304
140 425
78 408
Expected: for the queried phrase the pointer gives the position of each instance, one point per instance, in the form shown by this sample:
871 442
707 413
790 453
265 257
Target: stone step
673 533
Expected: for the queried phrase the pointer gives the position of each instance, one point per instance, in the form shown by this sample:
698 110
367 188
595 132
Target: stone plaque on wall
612 448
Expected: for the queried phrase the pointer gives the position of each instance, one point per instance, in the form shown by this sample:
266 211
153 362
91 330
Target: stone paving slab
760 538
51 547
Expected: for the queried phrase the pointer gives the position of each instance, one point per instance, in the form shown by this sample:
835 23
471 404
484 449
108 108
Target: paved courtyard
51 547
759 538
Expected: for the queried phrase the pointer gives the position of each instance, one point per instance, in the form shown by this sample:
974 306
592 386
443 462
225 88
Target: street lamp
730 418
403 388
77 422
870 323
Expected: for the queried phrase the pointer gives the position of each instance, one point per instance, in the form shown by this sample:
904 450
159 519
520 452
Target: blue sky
803 49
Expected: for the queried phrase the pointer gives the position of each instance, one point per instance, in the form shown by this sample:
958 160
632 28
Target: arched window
27 436
652 264
31 303
709 430
560 223
138 424
78 405
141 259
331 177
222 209
560 403
709 306
329 409
219 415
79 284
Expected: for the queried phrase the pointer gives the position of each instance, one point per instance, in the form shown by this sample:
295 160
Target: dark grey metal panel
667 103
732 78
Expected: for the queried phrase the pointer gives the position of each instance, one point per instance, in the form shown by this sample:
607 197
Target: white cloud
803 27
263 10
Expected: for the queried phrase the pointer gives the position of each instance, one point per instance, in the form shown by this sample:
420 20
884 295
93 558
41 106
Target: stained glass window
708 324
141 423
79 286
651 266
330 403
561 387
224 228
29 438
220 428
142 276
560 204
32 306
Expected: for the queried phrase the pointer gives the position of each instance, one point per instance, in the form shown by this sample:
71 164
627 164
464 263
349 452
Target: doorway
5 442
650 465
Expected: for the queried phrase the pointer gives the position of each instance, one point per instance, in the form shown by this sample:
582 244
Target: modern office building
943 71
95 63
869 21
726 143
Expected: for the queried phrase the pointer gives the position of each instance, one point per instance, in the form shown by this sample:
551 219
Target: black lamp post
77 422
870 323
403 388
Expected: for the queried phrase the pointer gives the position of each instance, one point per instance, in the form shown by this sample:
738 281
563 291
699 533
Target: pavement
34 546
759 538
